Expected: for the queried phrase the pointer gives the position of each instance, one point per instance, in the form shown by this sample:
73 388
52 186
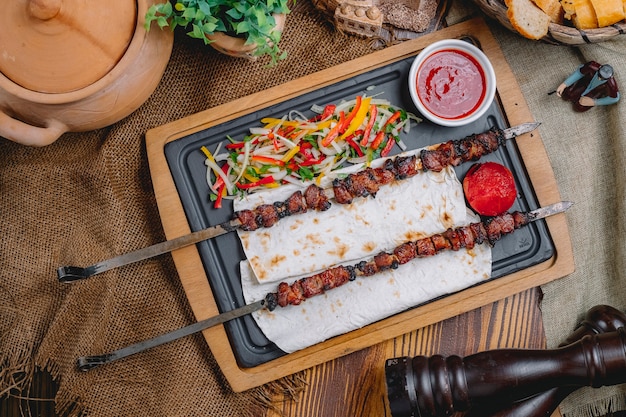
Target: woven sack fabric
88 197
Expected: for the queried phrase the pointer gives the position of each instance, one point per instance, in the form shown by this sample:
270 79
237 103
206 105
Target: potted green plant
246 28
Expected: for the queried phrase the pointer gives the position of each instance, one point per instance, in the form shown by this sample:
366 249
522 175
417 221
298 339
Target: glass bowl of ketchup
452 82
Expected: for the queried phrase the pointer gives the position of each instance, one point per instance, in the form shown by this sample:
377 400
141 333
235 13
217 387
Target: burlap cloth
89 196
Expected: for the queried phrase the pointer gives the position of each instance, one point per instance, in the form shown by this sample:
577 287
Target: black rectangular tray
221 256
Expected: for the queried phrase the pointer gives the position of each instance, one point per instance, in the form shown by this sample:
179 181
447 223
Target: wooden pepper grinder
439 386
599 319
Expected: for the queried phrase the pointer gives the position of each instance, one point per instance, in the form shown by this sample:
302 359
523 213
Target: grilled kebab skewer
487 231
490 231
360 184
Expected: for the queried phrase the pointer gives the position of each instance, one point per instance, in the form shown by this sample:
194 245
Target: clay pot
67 67
237 47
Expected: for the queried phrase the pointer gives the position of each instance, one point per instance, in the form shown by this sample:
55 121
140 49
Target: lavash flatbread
367 299
427 203
410 209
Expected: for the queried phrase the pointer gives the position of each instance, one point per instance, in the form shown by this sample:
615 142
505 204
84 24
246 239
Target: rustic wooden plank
193 276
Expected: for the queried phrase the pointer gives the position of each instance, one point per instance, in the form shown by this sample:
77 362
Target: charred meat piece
295 204
342 194
455 152
267 215
405 252
405 167
383 176
316 199
247 218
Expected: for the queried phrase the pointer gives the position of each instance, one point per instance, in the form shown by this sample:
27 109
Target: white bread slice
585 15
529 20
608 12
552 8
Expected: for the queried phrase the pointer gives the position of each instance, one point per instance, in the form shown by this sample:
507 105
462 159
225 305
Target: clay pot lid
58 46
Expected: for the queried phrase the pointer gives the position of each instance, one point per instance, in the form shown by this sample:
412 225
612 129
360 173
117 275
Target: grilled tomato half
489 188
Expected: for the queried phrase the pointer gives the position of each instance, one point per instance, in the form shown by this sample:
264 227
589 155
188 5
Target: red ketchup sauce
451 84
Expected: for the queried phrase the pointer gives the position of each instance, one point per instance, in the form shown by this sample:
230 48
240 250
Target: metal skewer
76 273
85 363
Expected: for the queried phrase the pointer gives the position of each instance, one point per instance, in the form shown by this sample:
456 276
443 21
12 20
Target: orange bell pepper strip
378 139
267 160
392 119
370 123
334 132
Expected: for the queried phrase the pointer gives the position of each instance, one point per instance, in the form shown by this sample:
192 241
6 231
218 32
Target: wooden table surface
354 385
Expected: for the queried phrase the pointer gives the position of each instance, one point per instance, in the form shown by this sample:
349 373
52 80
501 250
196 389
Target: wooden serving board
196 282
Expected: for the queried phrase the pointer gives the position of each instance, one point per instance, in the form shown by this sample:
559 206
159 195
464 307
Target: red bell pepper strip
263 181
388 146
328 111
220 193
370 124
310 162
235 145
334 132
219 181
355 146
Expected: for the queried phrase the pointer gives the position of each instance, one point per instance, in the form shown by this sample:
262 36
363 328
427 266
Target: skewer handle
77 273
438 386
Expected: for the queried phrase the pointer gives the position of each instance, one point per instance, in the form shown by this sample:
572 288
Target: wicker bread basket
557 34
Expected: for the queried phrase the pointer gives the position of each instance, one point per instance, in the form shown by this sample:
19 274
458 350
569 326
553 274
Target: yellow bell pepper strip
357 120
292 152
267 160
373 110
209 156
388 146
263 181
334 132
378 139
271 122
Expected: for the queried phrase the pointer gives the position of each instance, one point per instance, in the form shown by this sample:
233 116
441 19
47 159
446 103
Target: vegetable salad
296 149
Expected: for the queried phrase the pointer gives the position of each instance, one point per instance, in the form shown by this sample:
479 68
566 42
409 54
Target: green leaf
242 27
197 32
209 27
234 13
262 21
162 22
189 13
